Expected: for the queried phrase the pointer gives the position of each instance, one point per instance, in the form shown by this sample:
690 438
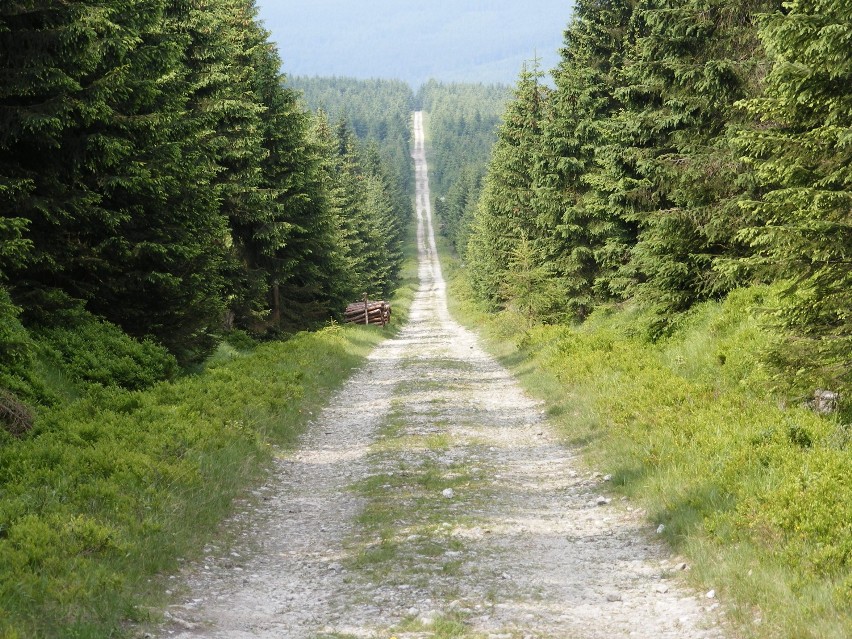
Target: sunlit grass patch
446 626
403 524
110 490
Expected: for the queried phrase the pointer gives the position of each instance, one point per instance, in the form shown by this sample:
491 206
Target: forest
162 180
388 128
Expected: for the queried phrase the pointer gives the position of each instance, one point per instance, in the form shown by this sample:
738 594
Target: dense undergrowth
752 487
100 500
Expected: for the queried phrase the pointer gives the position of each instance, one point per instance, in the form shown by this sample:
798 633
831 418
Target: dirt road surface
432 499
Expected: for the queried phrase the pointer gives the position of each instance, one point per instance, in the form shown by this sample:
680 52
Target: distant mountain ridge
448 40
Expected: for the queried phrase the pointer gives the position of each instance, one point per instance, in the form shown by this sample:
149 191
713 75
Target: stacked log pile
368 312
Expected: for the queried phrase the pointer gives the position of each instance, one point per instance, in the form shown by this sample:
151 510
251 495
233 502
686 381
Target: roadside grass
112 489
755 491
450 626
110 492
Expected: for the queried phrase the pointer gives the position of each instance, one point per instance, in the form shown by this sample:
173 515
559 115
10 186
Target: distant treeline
378 112
461 129
687 149
157 173
463 121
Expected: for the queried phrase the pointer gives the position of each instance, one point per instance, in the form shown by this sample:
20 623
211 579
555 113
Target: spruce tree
228 94
802 156
505 215
45 108
166 270
297 245
456 210
370 224
341 278
114 187
588 243
691 61
350 190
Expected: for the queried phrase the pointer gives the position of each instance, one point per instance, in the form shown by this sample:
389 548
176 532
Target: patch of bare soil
432 499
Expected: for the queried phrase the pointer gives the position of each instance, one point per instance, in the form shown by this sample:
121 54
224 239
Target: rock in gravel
188 625
614 597
602 501
449 493
711 594
661 588
429 618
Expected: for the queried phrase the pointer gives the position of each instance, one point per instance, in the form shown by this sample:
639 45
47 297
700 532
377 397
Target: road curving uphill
432 498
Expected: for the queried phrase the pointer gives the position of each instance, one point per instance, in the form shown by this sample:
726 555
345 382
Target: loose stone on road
454 510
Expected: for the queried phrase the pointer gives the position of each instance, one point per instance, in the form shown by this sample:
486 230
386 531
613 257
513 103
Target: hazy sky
469 40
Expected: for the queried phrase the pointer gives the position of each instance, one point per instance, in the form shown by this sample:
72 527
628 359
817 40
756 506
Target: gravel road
449 508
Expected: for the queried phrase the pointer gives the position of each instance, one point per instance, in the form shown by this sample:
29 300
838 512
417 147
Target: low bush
17 353
89 350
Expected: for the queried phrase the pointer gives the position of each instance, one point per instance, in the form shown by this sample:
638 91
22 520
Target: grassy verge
756 494
106 493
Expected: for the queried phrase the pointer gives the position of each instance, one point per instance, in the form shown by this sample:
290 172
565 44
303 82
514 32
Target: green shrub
698 425
16 352
240 340
108 491
92 351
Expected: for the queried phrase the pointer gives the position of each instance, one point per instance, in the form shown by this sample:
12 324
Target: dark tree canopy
155 167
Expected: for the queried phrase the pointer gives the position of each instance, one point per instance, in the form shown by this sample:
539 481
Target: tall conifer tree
298 245
371 225
801 150
588 243
108 169
692 60
505 214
